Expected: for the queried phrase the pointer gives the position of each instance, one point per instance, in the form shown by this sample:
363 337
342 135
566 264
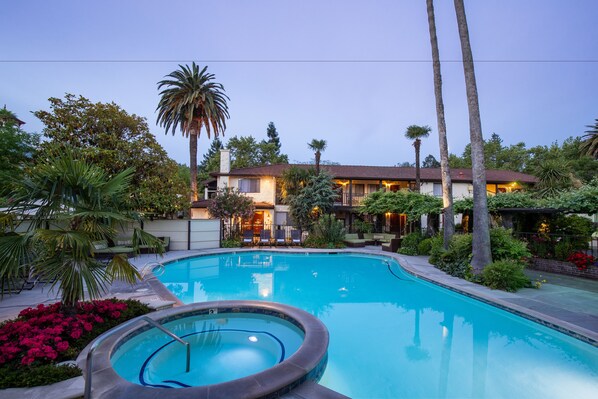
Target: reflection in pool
394 336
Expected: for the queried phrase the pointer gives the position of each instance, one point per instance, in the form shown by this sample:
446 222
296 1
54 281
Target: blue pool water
395 336
224 347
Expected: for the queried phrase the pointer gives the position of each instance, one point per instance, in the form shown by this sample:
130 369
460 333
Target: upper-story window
249 185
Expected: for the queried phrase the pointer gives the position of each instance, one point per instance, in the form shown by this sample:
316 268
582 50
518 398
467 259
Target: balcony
347 200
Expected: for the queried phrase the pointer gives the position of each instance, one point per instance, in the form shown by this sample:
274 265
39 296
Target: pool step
312 390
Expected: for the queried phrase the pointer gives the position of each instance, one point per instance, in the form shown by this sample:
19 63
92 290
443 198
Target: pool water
224 347
395 336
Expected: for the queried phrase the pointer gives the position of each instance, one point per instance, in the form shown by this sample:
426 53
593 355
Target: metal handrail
156 267
152 322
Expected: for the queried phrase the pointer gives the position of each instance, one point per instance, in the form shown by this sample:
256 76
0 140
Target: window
358 190
372 188
437 190
249 185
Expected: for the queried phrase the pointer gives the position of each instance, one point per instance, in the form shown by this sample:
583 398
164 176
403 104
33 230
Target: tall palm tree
318 146
416 133
447 184
190 101
589 146
482 255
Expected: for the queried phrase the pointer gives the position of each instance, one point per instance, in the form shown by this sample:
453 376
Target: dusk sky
355 73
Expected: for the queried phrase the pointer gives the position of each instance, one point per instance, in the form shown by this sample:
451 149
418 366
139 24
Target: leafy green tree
315 199
17 150
70 204
581 200
590 141
244 152
270 149
482 254
430 162
192 101
416 133
317 146
211 160
231 205
107 136
410 203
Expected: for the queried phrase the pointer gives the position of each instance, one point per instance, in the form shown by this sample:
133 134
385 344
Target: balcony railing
350 200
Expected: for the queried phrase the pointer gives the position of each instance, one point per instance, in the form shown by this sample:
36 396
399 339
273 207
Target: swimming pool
395 336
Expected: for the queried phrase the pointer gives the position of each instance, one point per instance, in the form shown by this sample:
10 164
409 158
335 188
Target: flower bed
32 344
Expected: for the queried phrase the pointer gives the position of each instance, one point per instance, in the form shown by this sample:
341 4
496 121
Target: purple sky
355 73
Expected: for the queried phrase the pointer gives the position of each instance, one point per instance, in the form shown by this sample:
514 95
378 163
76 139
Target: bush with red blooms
581 260
46 335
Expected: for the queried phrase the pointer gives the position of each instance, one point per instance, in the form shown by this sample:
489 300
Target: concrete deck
569 304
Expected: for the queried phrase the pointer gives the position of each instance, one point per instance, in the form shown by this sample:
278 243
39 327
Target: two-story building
354 184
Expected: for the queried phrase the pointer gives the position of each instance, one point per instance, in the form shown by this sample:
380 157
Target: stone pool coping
500 299
306 364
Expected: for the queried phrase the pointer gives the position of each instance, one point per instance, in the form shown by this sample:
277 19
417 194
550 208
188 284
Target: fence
558 246
184 234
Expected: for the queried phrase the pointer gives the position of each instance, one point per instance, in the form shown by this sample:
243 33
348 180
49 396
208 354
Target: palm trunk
417 144
193 163
482 255
447 184
318 162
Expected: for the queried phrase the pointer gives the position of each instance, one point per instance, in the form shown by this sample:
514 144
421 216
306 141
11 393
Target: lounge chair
295 237
103 251
280 237
248 237
265 237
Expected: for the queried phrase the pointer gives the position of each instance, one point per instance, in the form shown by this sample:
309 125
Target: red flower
581 260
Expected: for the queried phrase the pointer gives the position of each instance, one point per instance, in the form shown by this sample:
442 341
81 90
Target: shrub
231 243
581 260
425 246
505 275
362 227
505 246
327 232
41 337
410 243
437 249
563 249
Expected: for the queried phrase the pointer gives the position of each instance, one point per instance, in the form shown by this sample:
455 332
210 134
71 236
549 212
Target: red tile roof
386 173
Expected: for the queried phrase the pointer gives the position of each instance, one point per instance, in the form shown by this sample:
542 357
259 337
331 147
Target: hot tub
241 349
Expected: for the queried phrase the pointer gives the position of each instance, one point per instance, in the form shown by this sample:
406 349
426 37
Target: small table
377 239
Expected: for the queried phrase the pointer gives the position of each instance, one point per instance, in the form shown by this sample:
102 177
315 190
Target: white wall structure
203 233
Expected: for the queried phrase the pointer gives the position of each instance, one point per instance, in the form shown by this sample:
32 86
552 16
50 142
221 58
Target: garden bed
562 267
33 345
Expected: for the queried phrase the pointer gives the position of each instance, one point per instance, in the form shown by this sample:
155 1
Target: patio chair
280 237
295 237
265 237
248 237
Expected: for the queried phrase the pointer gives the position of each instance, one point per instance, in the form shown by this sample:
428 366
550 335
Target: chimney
225 160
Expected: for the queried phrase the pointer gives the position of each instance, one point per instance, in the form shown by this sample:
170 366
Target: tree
270 149
415 133
244 152
430 162
211 160
17 150
70 204
315 199
553 178
447 184
317 146
590 143
482 254
293 180
232 205
192 101
107 136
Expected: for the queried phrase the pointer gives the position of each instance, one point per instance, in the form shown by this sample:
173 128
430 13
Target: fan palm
590 144
318 146
447 185
482 254
192 101
416 133
69 205
554 177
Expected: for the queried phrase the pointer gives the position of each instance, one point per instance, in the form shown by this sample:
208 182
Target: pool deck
569 304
